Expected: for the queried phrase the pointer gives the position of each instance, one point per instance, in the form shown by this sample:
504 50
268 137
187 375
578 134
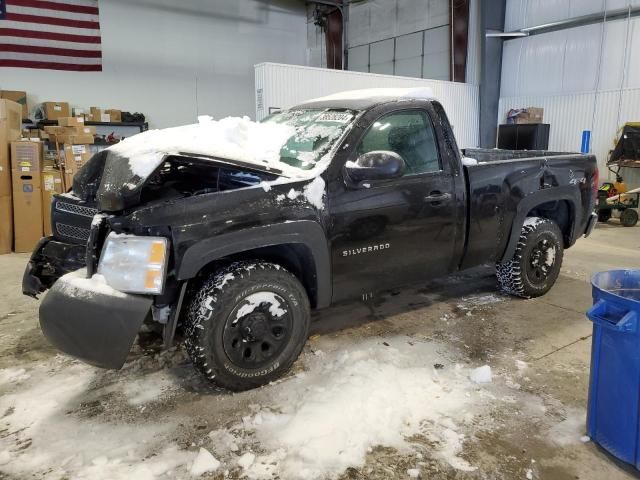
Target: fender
528 203
306 232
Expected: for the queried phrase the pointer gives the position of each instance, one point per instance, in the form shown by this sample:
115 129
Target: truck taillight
594 187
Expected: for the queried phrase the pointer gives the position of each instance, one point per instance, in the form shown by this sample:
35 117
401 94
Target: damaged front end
108 203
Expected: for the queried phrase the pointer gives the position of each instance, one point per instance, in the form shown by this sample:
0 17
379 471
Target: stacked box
73 158
18 97
26 168
51 185
10 124
72 131
95 114
114 115
55 110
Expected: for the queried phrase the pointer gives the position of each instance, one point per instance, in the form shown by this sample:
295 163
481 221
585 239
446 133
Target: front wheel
247 324
536 263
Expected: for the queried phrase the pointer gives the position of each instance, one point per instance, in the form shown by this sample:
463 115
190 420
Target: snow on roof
418 92
231 138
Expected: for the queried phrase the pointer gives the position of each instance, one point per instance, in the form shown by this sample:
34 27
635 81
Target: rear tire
629 217
536 263
246 324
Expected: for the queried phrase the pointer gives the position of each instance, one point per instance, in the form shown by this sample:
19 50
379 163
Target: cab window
410 135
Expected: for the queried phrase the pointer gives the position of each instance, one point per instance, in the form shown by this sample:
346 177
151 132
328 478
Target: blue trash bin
613 416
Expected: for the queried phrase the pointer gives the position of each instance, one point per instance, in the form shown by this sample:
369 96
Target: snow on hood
400 93
231 138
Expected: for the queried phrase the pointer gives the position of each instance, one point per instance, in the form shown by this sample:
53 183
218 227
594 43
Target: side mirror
375 166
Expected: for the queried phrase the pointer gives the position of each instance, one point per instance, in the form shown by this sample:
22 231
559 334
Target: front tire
536 263
247 324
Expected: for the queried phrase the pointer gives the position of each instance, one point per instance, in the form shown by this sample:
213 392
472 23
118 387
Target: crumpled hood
108 181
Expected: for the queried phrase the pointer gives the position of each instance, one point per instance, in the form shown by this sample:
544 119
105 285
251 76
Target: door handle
438 197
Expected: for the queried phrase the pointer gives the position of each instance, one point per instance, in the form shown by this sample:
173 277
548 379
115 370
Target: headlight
134 264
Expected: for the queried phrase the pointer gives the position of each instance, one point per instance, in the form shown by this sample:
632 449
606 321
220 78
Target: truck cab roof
366 98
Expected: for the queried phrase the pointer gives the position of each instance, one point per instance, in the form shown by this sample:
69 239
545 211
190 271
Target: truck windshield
316 133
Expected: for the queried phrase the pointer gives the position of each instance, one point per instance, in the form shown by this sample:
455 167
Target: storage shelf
141 125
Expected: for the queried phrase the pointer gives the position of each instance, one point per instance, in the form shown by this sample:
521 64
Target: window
410 135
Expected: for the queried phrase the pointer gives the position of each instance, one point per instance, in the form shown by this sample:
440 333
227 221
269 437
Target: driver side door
398 231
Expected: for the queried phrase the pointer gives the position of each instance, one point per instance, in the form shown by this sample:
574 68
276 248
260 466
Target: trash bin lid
623 285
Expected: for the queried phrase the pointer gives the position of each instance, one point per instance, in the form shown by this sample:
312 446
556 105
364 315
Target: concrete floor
536 434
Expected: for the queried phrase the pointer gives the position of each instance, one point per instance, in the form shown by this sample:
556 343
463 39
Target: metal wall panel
280 86
585 78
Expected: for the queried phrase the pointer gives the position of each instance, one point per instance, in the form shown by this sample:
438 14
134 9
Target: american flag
51 34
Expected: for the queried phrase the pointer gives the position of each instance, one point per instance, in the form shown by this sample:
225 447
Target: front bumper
95 327
593 219
49 261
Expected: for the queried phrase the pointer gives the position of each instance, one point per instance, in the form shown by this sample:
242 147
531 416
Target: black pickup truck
373 194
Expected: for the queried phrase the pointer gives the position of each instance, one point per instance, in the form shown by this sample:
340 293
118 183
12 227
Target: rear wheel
247 324
629 217
536 263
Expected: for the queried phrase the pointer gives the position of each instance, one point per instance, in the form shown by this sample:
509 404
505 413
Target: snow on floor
41 437
327 419
571 429
314 424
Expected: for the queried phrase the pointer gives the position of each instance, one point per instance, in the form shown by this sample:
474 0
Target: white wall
586 78
176 60
281 86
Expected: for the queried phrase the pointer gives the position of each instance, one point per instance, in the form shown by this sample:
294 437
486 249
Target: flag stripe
65 52
65 7
48 13
17 17
38 42
37 27
50 65
36 57
83 3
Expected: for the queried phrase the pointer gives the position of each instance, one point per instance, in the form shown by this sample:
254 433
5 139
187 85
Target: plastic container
613 416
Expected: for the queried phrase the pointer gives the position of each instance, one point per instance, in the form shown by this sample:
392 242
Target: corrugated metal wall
585 78
280 86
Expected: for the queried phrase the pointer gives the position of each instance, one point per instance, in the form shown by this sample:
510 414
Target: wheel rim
542 258
257 330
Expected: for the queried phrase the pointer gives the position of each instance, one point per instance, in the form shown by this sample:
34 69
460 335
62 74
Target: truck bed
497 192
485 155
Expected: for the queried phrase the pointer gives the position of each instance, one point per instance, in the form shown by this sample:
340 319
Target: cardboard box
105 117
115 115
30 133
18 97
73 158
26 156
74 138
78 112
6 224
525 115
10 130
56 110
95 114
72 135
27 210
51 185
71 122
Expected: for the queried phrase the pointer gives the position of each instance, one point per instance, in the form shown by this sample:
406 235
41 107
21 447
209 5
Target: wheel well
295 257
561 212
